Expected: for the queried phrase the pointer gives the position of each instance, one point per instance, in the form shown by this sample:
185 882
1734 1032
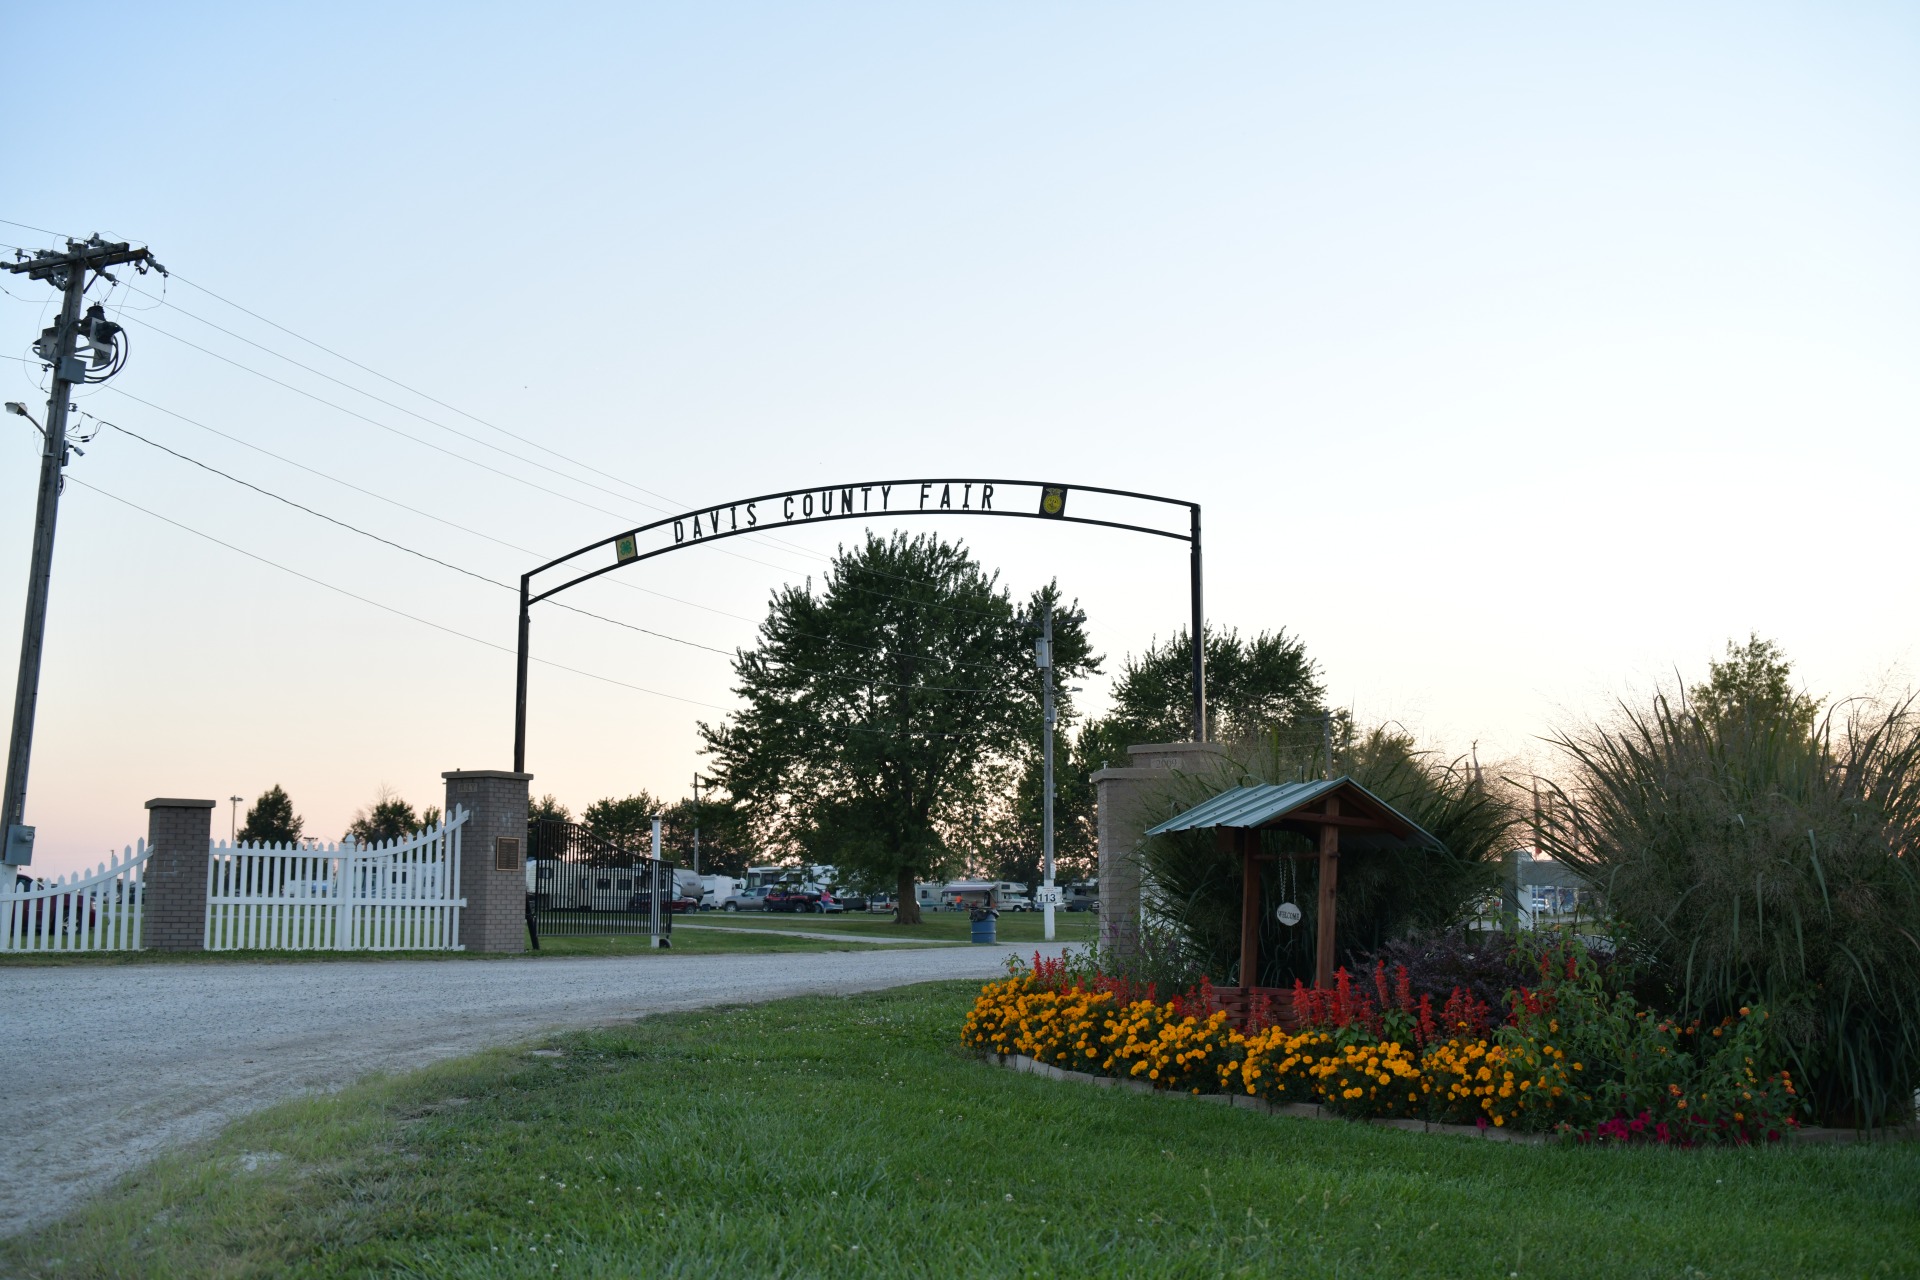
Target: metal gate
580 884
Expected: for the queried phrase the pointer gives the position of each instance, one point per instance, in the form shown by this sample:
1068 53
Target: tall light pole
1043 658
696 824
233 827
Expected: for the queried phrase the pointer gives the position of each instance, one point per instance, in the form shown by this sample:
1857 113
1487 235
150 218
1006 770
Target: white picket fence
399 896
95 910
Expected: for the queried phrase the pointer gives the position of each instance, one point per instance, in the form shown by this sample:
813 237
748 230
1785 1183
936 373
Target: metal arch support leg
520 686
1199 636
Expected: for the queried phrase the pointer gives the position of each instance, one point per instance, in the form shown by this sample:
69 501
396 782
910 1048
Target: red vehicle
797 897
54 913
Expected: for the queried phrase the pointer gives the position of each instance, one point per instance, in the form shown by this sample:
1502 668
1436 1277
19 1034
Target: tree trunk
906 908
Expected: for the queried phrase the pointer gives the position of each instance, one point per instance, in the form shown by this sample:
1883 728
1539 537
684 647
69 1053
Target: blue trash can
985 924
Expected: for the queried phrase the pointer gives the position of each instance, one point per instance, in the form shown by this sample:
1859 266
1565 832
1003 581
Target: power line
397 546
354 413
341 382
784 569
404 387
480 577
395 502
425 622
42 230
492 426
347 484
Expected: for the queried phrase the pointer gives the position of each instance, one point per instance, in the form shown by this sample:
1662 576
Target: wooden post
1249 910
1329 882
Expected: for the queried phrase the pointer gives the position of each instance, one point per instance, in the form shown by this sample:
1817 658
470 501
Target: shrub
1479 963
1752 861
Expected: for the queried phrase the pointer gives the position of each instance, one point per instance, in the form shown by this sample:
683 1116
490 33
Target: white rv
1001 895
813 873
717 889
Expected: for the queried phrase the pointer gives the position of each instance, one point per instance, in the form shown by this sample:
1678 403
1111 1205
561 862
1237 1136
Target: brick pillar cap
165 803
485 773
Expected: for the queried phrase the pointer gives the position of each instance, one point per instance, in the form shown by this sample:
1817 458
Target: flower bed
1569 1058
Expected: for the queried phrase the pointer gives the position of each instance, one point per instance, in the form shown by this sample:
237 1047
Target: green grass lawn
951 926
851 1137
688 942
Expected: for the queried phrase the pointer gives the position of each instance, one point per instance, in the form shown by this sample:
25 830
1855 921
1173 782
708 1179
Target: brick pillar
493 857
1130 800
175 893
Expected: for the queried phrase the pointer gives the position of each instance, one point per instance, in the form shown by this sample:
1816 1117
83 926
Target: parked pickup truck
795 897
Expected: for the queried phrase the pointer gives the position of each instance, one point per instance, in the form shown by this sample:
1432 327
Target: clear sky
1521 355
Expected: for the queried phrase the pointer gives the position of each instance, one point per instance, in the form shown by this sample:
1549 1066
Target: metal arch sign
792 508
772 512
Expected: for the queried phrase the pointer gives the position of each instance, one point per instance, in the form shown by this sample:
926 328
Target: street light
1043 659
14 406
233 828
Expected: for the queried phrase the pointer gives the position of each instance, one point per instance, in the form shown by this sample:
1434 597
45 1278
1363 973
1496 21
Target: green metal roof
1271 804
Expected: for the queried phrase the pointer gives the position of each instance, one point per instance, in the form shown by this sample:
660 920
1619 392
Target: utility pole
67 272
696 823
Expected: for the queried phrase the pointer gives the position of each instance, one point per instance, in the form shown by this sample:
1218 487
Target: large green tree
1253 685
882 710
1753 684
627 821
271 820
1262 689
389 818
548 809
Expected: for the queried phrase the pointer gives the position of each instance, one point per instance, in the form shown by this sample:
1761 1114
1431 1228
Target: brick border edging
1314 1111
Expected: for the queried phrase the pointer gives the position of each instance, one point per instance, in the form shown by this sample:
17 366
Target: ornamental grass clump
1756 856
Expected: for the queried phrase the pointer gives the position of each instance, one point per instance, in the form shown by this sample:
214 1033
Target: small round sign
1286 913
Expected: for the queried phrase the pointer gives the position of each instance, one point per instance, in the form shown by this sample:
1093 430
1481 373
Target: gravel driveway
107 1066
